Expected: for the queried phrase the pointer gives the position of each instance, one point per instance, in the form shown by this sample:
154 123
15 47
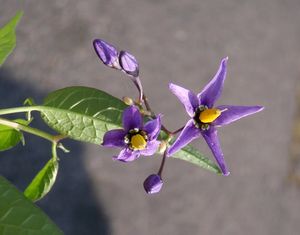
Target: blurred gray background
182 42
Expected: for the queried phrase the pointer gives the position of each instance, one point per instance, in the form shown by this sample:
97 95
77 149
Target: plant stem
20 109
162 163
30 130
178 130
54 153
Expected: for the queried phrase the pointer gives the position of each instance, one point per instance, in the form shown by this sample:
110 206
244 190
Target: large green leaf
192 155
19 216
8 37
43 181
82 113
10 137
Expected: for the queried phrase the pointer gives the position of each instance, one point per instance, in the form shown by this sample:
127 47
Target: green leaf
19 216
192 155
82 113
10 137
43 181
8 37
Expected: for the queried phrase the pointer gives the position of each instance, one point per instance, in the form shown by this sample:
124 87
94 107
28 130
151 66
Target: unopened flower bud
128 100
129 63
153 184
162 147
107 53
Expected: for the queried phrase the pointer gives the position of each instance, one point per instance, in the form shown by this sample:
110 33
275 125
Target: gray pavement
182 42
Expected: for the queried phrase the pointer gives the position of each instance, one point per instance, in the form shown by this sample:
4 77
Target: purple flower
135 139
205 118
153 184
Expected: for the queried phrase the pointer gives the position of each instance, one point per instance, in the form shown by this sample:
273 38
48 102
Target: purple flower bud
107 53
129 64
153 184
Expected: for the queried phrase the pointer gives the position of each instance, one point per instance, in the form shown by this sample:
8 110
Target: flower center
136 139
209 115
138 142
204 116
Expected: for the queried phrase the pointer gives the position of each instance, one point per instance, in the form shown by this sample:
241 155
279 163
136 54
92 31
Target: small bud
129 64
107 53
162 147
153 184
128 100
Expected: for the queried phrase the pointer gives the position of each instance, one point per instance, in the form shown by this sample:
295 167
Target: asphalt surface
182 42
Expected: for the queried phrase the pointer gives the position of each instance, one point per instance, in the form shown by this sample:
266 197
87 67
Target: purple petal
107 53
127 155
153 128
234 113
132 118
213 89
114 138
188 133
129 63
186 97
151 148
153 184
211 138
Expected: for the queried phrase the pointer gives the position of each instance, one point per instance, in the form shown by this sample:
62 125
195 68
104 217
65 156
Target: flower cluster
137 138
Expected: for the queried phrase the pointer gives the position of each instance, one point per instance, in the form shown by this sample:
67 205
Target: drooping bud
153 184
107 53
129 63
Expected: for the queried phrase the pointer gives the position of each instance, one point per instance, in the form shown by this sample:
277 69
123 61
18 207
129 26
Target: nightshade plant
91 115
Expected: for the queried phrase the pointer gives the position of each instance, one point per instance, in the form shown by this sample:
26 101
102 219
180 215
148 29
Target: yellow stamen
209 115
138 142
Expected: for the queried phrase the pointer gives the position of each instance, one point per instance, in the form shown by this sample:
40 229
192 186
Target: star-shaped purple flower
135 139
205 118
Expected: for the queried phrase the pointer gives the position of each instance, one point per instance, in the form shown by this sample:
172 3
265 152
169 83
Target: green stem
30 130
20 109
54 153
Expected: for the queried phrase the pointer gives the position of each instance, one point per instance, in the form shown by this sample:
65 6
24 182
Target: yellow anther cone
138 142
209 115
